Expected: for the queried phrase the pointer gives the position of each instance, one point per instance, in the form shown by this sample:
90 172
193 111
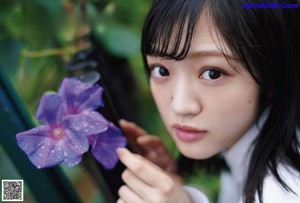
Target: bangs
169 27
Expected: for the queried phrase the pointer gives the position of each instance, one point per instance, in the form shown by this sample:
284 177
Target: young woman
226 80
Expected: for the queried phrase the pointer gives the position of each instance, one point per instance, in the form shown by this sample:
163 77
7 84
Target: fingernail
121 151
122 120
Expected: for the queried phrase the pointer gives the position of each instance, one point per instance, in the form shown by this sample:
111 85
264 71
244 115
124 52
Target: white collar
238 156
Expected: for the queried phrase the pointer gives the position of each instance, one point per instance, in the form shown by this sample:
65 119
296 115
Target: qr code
12 190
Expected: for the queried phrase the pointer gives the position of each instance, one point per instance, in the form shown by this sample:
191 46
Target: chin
195 155
198 155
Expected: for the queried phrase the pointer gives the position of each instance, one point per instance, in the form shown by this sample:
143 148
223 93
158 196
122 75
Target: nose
185 99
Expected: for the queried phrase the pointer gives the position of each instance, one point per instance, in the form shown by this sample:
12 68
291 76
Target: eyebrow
209 53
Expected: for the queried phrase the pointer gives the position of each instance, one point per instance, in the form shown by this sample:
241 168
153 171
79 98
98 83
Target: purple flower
83 98
80 97
63 138
105 144
70 125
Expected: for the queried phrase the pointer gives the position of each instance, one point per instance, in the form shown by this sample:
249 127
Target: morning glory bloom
62 138
105 144
80 97
71 123
83 98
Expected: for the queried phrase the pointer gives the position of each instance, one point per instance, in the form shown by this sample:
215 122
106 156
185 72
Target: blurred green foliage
38 38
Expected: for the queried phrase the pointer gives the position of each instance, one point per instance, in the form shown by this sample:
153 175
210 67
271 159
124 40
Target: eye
211 74
159 71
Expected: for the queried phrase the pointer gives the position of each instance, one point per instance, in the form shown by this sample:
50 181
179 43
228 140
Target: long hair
267 42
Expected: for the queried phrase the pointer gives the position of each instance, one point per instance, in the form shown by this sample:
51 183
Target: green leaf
119 40
41 20
51 6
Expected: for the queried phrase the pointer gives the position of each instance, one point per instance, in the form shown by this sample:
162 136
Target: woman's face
205 104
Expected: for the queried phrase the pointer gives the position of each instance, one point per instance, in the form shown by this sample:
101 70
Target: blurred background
39 40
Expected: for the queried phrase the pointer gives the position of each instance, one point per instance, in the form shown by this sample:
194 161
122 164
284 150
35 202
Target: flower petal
30 140
69 91
76 142
47 156
38 145
105 146
73 146
80 96
91 99
50 109
91 139
73 161
87 123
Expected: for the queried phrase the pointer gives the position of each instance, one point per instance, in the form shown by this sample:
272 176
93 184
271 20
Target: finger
149 145
132 132
127 195
152 143
163 159
149 140
138 186
120 201
131 128
157 152
144 169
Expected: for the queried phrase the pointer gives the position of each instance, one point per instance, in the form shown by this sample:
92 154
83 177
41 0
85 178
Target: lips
188 134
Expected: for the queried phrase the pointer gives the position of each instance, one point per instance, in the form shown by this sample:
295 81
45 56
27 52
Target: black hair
267 42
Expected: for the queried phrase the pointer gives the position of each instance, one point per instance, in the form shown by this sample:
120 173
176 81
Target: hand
149 146
147 183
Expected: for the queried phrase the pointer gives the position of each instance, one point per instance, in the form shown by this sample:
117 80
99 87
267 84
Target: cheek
245 100
237 98
240 102
162 97
236 113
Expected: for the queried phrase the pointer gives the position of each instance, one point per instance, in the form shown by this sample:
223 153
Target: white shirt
232 183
